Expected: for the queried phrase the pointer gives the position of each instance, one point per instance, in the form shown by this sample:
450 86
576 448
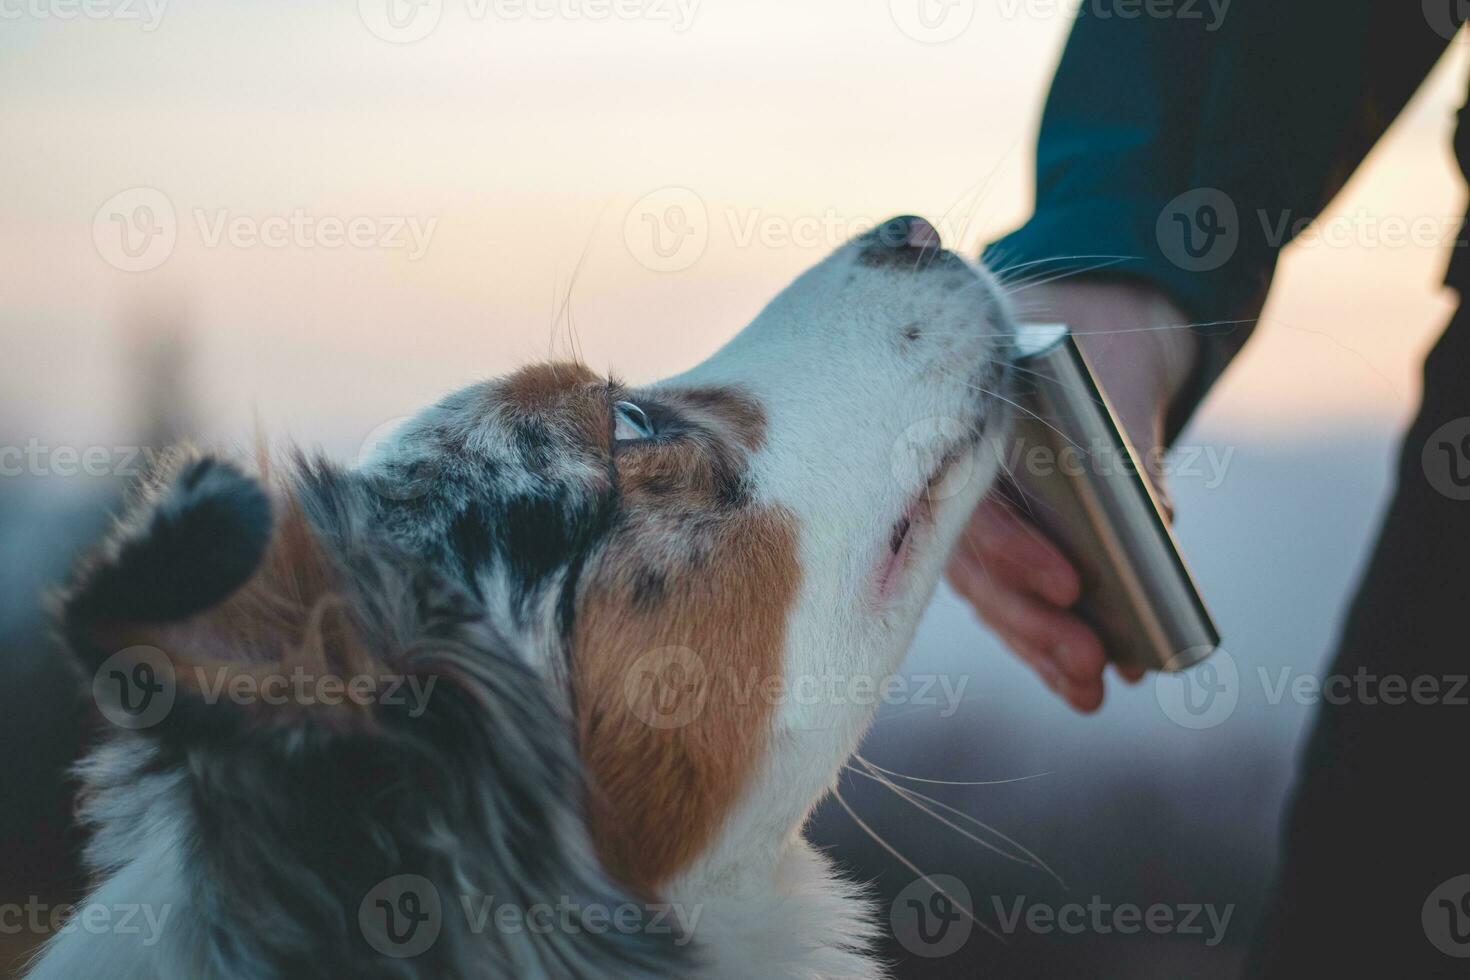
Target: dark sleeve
1188 150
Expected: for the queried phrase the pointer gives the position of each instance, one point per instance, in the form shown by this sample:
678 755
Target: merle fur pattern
278 831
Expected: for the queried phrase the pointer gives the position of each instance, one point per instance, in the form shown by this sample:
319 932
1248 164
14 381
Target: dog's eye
631 424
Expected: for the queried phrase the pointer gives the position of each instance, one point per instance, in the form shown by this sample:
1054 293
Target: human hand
1017 580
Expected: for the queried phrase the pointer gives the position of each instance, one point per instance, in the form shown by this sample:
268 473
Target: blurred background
221 216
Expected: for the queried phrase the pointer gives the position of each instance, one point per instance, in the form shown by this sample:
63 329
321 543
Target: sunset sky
515 143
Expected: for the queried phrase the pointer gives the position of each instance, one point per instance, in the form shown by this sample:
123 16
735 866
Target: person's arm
1158 128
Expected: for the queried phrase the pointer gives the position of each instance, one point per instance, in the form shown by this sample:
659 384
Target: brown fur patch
539 388
565 396
680 627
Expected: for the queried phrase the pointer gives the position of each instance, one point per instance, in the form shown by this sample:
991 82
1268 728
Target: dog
559 618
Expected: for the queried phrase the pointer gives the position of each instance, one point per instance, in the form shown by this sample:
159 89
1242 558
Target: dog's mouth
900 545
907 532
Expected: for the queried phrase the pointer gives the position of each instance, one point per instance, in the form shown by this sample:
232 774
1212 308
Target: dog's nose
907 231
906 243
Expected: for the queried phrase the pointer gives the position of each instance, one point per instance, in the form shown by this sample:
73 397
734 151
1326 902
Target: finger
973 572
1050 632
1131 674
1045 667
1085 696
997 534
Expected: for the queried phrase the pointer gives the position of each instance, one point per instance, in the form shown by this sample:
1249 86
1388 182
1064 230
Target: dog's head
598 604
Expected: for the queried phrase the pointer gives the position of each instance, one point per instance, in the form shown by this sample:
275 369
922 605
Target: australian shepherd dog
505 699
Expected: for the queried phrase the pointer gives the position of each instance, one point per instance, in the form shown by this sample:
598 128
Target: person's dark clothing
1272 106
1155 130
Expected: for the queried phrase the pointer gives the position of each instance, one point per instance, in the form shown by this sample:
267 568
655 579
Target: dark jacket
1187 142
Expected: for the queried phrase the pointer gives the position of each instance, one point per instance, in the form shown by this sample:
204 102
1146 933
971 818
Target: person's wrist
1176 350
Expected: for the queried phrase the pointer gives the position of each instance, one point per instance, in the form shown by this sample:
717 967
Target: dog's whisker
914 798
1022 408
1006 270
902 795
1019 284
565 308
977 192
1031 858
914 868
950 782
1059 277
551 326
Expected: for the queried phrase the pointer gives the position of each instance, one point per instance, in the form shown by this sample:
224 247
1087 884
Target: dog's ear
196 539
209 584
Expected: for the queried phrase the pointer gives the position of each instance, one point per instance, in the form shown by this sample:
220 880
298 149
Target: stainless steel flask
1077 476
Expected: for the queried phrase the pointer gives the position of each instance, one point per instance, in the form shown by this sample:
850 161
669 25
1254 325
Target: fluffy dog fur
600 617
